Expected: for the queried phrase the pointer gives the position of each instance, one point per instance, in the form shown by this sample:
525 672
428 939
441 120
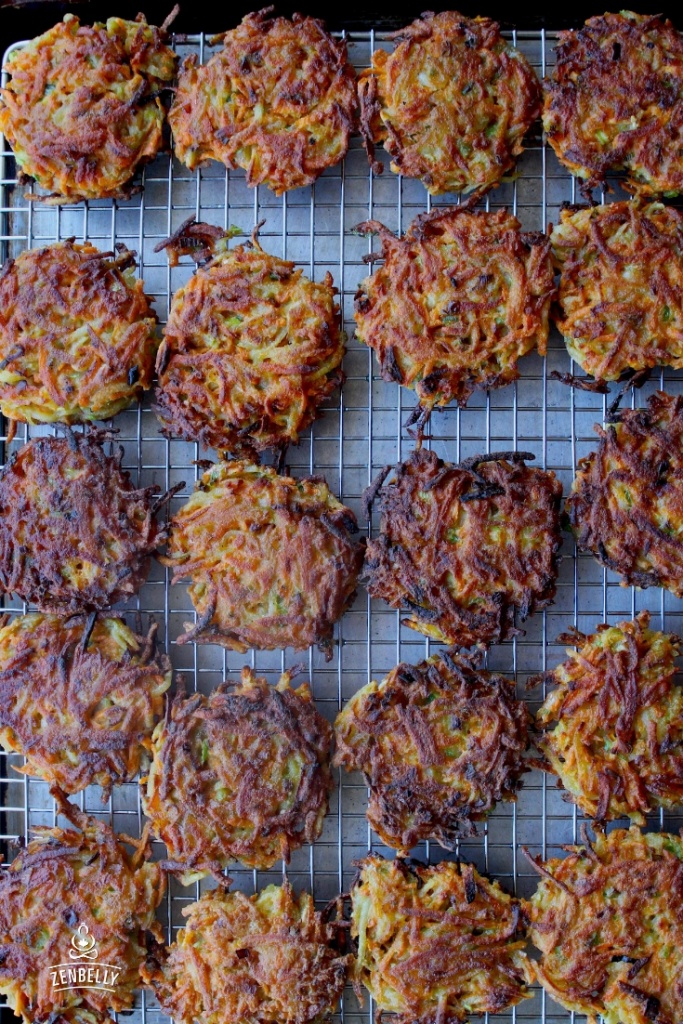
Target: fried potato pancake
439 744
619 301
459 299
78 335
614 102
607 920
436 943
279 101
75 535
271 559
243 774
626 502
451 104
251 350
465 547
80 698
75 889
269 958
82 110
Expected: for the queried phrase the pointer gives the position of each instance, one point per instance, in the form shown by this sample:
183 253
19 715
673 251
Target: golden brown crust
65 880
267 958
451 104
82 110
619 301
436 943
79 698
251 350
465 547
439 744
271 559
77 334
612 730
615 102
279 100
460 297
241 774
607 921
626 503
75 535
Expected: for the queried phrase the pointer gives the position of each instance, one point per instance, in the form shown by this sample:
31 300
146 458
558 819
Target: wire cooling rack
361 430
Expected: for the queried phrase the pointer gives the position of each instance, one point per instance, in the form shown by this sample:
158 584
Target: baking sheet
361 430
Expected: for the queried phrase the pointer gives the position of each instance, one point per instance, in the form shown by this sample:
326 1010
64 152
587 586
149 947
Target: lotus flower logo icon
83 943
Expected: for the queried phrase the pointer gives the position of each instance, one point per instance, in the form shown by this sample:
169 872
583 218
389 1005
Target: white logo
73 975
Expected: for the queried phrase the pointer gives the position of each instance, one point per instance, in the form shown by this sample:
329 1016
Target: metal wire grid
360 431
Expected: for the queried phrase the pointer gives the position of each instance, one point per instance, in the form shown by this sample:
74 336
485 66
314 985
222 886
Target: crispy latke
614 102
269 958
75 535
82 110
77 334
465 547
436 943
279 100
80 698
607 920
251 350
451 104
460 297
626 502
243 774
271 559
439 744
612 730
76 885
619 301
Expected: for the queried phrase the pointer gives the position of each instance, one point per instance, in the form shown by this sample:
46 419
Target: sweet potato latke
451 104
267 958
626 503
614 102
619 301
279 100
271 559
251 349
607 920
465 547
436 943
82 110
241 774
77 334
439 743
75 534
612 730
458 300
79 698
75 885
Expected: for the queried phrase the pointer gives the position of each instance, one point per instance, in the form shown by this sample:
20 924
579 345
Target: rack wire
361 430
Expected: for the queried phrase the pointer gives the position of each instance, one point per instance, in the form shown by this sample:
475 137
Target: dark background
27 19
